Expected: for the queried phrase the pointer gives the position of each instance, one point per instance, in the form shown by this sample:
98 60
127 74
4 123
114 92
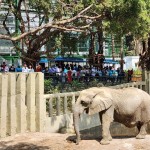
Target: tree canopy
61 17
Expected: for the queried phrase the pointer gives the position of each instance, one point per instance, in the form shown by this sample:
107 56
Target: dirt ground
56 141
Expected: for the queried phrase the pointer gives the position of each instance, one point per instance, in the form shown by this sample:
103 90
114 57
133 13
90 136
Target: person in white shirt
74 74
25 68
58 72
30 69
93 72
6 69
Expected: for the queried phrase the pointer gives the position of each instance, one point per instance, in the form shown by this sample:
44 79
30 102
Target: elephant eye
83 103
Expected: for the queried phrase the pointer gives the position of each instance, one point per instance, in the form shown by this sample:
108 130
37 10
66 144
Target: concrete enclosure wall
25 107
60 115
21 103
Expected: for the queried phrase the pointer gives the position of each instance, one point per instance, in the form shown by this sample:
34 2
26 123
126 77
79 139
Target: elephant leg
109 135
106 137
142 130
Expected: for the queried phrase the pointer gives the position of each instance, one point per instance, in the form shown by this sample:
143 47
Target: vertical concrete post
3 104
142 86
11 105
50 109
58 110
40 103
31 102
21 108
73 100
144 78
148 81
65 104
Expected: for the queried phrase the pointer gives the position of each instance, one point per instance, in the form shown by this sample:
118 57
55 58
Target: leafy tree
54 18
130 18
89 17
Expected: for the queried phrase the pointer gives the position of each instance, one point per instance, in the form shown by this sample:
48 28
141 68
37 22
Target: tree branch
55 25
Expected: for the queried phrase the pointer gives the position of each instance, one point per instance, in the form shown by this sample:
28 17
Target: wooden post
11 105
31 102
40 103
3 104
21 108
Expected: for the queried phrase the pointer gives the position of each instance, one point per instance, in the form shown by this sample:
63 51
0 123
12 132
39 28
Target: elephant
129 106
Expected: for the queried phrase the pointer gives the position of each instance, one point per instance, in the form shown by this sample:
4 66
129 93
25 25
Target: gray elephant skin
129 106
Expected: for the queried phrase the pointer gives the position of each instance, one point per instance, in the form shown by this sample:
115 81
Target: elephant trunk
76 116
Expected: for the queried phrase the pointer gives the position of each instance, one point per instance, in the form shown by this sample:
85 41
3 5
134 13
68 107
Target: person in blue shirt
18 69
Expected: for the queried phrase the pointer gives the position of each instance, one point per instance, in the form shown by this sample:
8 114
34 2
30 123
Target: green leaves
131 16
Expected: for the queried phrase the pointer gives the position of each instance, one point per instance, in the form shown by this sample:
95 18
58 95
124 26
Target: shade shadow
22 146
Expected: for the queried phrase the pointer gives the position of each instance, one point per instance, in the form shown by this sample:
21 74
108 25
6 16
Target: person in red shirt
69 75
39 68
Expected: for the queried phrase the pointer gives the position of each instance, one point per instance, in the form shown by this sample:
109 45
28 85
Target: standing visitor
25 68
30 68
74 74
63 79
6 68
130 72
3 67
38 68
12 68
69 75
18 69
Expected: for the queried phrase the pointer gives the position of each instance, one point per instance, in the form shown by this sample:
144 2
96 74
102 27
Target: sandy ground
55 141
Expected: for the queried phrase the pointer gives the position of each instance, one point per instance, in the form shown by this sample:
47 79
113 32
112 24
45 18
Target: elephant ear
100 102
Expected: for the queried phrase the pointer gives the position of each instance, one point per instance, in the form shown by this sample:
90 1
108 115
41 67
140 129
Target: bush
49 88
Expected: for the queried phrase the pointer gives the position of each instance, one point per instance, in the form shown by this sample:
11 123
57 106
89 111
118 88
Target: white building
131 62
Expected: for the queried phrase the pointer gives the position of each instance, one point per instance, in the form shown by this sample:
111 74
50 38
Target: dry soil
56 141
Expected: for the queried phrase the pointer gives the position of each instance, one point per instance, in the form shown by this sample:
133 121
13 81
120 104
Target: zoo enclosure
21 103
25 107
62 103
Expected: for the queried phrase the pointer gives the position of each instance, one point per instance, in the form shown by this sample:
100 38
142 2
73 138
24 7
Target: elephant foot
110 138
78 140
104 142
140 136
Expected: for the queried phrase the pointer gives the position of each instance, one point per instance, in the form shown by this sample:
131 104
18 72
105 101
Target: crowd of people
5 68
69 72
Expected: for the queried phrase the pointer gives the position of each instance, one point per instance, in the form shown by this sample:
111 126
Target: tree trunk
100 40
148 59
91 49
121 54
144 60
113 47
100 51
137 46
31 57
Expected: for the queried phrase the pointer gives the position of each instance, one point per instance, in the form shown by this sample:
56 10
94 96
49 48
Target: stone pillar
20 105
40 103
31 102
11 105
3 104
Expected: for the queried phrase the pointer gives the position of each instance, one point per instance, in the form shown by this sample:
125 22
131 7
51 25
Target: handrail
62 103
